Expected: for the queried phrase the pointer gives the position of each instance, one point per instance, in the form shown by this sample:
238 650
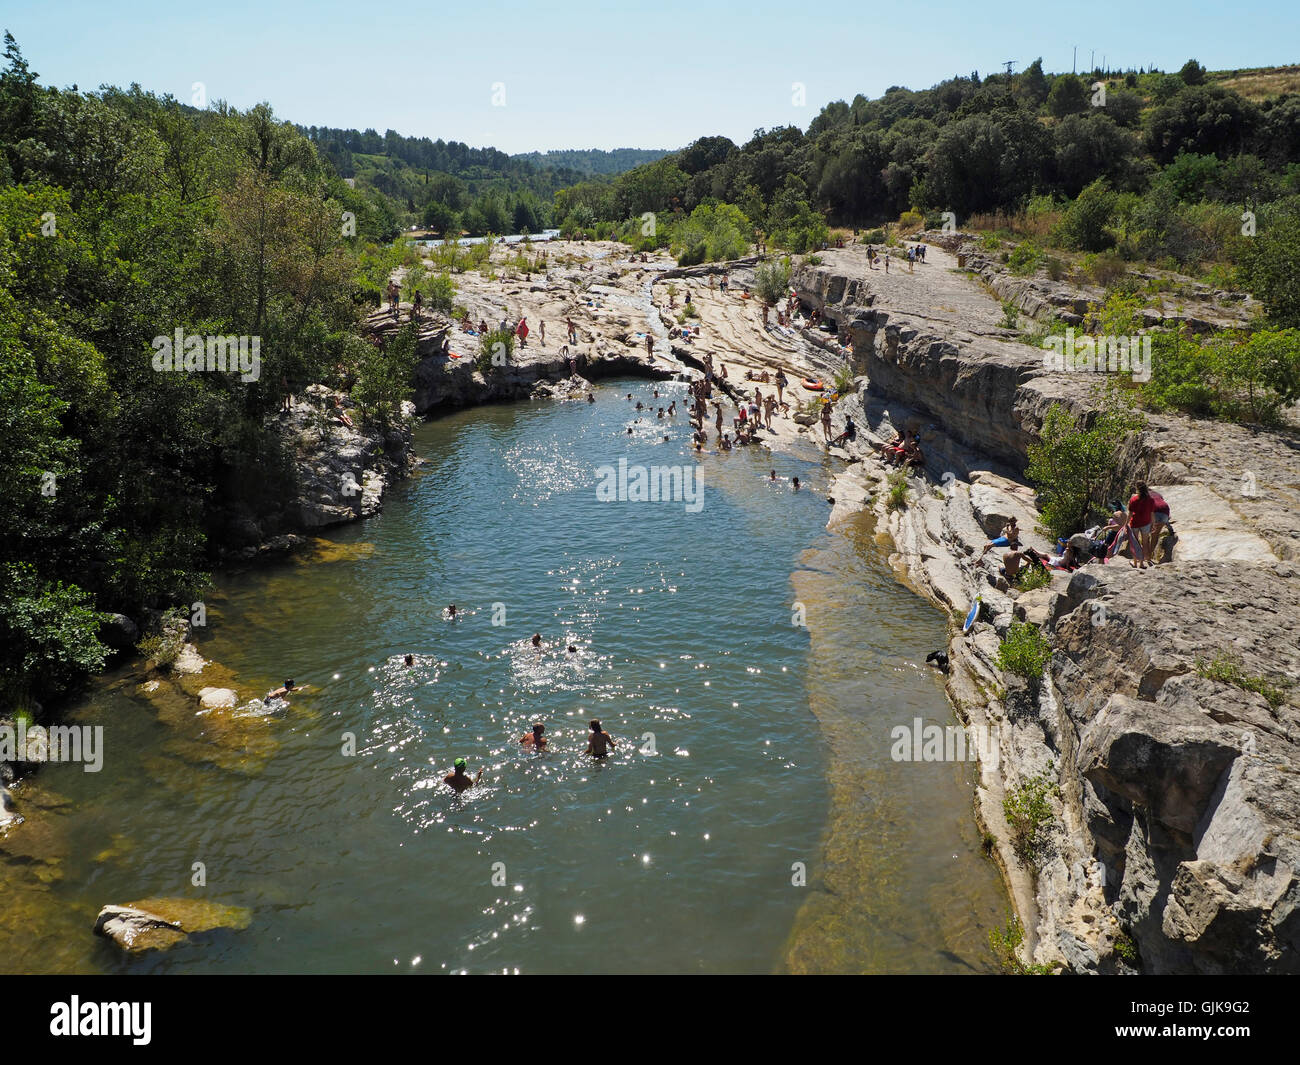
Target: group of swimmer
599 744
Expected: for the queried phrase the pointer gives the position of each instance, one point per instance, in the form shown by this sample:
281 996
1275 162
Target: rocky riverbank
1173 843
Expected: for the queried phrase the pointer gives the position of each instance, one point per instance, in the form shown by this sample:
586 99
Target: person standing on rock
573 331
826 421
650 345
1141 514
781 382
541 330
886 260
394 294
417 305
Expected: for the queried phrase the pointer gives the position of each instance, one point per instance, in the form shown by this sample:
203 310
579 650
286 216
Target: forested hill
592 161
973 145
445 185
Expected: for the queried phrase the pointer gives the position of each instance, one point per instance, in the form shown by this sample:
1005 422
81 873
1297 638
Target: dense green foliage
450 187
592 161
124 217
1162 164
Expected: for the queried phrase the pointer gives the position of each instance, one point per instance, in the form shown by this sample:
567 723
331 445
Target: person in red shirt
1141 508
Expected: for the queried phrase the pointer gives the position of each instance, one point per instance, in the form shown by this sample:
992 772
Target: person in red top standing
1141 508
521 331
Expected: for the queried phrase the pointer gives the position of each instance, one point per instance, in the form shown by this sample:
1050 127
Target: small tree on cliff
1074 468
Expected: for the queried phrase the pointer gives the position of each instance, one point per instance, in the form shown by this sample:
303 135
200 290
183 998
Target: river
750 820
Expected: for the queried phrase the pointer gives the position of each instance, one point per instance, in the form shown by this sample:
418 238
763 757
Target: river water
750 819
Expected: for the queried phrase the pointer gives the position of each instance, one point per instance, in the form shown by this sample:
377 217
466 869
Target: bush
1031 577
896 499
1227 670
1029 813
1242 379
1055 268
1006 943
1010 315
1086 221
496 348
772 281
1024 259
1024 651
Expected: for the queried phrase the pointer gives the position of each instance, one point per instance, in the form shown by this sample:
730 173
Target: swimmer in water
537 639
451 612
772 476
572 649
535 739
795 483
280 693
458 780
599 742
409 660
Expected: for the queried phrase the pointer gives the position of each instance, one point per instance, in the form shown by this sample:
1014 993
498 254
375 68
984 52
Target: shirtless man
535 739
280 693
537 636
769 405
458 780
781 382
599 742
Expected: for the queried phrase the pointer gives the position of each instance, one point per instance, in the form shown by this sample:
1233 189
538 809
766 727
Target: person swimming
280 693
794 482
451 612
535 739
599 742
458 780
537 639
409 660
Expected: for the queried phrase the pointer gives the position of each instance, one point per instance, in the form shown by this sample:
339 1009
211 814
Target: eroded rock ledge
1176 823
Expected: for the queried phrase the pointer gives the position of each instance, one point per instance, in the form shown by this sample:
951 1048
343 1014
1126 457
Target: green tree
1076 466
1069 96
1270 265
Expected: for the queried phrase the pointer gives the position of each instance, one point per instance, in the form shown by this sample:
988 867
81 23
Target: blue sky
582 74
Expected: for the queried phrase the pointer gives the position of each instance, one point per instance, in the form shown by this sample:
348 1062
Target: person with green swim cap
458 780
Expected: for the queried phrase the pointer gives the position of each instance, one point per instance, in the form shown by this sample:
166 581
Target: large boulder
118 632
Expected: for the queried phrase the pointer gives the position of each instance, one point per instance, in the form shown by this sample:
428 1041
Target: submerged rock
158 924
217 698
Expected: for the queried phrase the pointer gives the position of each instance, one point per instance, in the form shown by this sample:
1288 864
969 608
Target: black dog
940 660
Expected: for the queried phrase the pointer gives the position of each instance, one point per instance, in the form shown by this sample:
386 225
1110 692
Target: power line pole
1008 63
1074 64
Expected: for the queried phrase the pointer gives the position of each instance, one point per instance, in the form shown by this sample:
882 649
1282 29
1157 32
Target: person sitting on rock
850 433
1010 537
341 413
913 455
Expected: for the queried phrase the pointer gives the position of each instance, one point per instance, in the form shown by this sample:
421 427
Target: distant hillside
593 161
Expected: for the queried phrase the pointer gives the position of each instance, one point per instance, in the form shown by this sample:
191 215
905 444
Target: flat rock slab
1208 527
